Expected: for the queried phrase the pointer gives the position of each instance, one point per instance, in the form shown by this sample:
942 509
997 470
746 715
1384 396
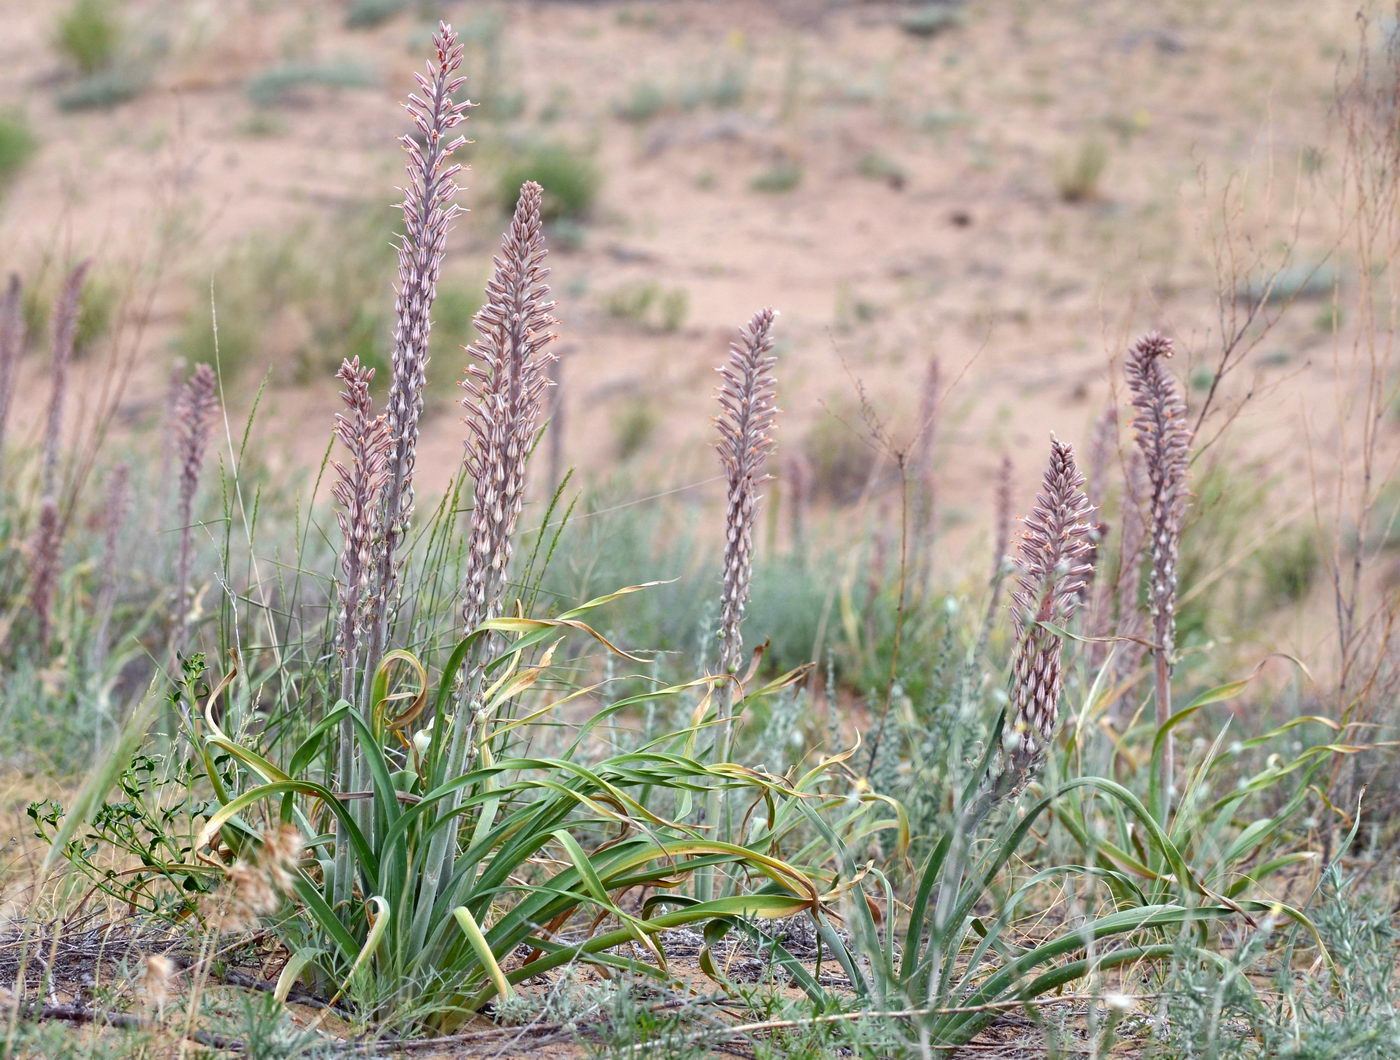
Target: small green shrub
782 176
97 307
876 166
1289 565
90 35
930 20
674 307
570 180
636 425
724 91
1078 175
841 460
1303 280
649 305
303 300
287 84
108 88
17 146
643 102
941 120
365 14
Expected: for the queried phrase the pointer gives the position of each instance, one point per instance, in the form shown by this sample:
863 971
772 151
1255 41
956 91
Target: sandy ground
926 222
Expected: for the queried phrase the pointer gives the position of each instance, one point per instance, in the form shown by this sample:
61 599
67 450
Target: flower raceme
1052 572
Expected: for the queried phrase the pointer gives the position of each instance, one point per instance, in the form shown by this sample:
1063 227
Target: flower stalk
1164 438
745 423
1052 570
428 212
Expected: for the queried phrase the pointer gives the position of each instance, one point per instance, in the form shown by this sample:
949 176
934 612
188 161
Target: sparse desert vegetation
794 537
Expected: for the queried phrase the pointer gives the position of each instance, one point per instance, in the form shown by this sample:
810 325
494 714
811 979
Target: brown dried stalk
745 423
1103 444
193 419
255 885
174 388
505 390
11 346
48 547
428 211
797 473
1052 570
1164 438
357 491
1001 533
118 506
65 332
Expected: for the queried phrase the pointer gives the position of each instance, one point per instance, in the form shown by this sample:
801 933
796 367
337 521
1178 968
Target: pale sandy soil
1206 111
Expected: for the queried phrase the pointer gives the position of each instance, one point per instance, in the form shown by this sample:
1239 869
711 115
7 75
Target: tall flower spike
64 334
11 344
747 413
118 507
1051 572
505 390
48 548
357 490
193 418
428 212
1165 441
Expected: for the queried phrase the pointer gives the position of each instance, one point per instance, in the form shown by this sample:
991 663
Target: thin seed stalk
11 346
428 211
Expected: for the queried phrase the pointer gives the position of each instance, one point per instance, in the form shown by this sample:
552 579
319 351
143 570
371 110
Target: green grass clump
873 165
1298 280
1079 174
930 20
570 178
300 301
636 424
109 88
17 146
365 14
89 34
841 460
643 102
287 84
781 177
649 305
